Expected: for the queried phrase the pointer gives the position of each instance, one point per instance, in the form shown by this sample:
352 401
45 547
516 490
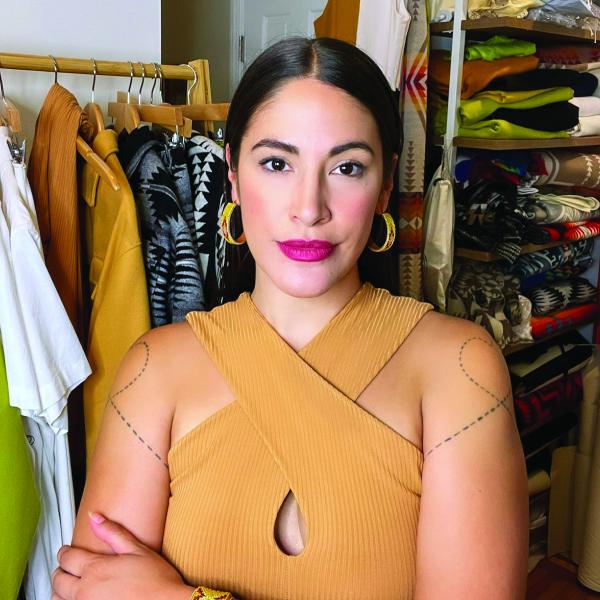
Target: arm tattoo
499 402
111 400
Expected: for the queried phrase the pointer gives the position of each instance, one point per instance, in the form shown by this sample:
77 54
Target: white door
256 24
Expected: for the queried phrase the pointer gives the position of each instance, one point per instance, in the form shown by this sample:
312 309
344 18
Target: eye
276 164
350 169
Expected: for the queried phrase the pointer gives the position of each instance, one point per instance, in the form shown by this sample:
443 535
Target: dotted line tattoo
111 400
500 402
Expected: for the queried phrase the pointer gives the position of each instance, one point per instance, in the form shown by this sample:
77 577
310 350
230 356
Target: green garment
484 104
19 501
499 46
498 129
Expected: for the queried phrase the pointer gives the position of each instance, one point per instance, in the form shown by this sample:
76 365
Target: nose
310 202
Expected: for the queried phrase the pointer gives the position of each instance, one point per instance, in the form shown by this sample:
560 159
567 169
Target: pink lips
306 250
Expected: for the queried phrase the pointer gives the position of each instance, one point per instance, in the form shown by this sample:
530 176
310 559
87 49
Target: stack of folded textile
546 379
505 96
498 210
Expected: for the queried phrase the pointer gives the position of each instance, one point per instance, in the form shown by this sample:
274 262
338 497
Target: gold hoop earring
390 234
225 225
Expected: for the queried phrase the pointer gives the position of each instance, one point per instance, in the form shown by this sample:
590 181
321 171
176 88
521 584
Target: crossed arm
472 532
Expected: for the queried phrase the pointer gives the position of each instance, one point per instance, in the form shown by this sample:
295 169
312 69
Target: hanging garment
206 167
476 74
172 269
175 160
378 27
411 163
53 177
119 297
58 364
302 431
19 501
381 33
339 20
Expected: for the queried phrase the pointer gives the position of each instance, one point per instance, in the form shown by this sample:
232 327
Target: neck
299 320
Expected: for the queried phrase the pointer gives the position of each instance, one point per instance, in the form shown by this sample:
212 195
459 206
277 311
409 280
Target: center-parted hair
333 62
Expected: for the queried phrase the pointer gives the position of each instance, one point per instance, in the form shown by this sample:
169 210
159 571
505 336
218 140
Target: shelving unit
489 144
517 28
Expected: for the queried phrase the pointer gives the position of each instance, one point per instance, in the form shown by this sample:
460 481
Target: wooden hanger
9 113
97 164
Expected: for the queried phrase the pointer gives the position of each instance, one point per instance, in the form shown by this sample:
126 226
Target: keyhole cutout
290 527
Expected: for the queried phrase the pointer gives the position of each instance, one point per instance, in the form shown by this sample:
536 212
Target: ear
388 186
232 176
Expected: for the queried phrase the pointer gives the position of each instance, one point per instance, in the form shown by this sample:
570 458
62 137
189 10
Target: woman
317 437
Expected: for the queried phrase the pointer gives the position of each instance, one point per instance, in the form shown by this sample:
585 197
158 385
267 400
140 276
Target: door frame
237 29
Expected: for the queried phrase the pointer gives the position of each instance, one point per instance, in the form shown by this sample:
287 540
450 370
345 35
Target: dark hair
334 62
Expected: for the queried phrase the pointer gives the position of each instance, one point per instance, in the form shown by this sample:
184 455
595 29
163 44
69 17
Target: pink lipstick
306 250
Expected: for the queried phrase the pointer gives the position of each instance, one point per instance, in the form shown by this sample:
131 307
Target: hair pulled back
333 62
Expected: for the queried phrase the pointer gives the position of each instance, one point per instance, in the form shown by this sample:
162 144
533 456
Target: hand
133 571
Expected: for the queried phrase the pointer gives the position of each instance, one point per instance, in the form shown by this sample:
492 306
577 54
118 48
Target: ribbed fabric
52 173
295 425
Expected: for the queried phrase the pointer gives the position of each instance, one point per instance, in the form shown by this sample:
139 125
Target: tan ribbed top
294 425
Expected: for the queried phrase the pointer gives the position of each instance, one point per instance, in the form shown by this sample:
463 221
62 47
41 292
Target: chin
306 284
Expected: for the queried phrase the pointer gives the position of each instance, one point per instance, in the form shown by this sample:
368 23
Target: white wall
102 29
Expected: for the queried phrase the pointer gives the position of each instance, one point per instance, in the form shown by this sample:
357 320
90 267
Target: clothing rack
196 69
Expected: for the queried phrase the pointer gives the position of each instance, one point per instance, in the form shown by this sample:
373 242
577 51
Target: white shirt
381 33
52 359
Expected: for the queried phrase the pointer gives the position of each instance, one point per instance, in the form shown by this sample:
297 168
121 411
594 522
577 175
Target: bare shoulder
474 484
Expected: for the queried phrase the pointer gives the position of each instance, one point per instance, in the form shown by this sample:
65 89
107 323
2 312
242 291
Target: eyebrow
278 145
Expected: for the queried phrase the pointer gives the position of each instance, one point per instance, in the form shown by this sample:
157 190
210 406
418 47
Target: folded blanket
562 319
559 295
544 404
583 84
501 8
550 258
476 74
487 295
567 54
568 167
558 274
581 231
584 204
550 117
574 67
498 46
503 130
533 368
485 103
587 126
588 105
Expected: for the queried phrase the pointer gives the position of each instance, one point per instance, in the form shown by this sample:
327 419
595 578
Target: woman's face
310 170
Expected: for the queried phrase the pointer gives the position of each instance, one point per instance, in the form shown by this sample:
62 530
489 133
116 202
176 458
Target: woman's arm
128 479
473 525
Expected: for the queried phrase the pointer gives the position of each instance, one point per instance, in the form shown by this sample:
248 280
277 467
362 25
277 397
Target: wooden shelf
513 348
492 144
535 31
483 256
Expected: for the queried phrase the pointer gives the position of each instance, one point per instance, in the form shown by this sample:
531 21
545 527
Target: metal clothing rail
85 66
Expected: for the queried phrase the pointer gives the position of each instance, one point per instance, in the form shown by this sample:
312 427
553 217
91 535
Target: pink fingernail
96 517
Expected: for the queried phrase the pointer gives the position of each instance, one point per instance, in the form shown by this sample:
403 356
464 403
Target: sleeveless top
294 425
